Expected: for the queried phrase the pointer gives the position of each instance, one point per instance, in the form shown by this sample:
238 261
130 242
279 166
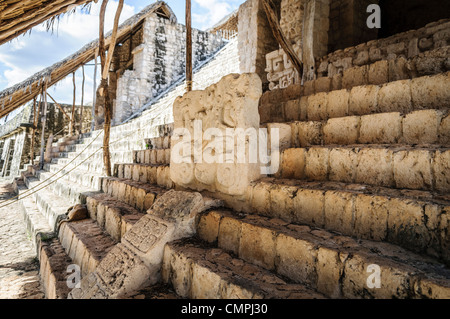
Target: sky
33 52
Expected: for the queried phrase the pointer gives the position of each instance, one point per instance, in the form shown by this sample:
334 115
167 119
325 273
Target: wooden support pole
272 17
72 118
104 83
33 130
59 106
44 122
82 99
94 95
188 47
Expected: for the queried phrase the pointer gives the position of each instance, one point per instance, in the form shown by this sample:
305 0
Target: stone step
416 220
84 175
381 72
153 156
404 96
334 265
85 243
116 157
136 194
36 222
145 173
50 205
395 166
418 127
55 268
114 216
198 272
157 143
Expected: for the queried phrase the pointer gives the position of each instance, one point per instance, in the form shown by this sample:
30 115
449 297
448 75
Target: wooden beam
94 98
82 99
272 17
44 122
72 118
104 84
36 111
59 106
188 47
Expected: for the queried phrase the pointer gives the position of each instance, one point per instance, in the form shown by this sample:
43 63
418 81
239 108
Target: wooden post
94 95
188 47
44 121
72 118
272 17
33 130
59 106
104 84
82 99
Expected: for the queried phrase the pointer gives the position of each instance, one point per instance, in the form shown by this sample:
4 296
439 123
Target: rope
22 196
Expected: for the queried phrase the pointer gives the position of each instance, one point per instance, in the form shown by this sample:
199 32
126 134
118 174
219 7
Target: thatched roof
19 16
25 91
229 22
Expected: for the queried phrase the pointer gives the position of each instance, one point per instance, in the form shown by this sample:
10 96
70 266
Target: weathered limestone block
137 260
355 76
329 270
371 216
393 278
317 107
281 202
395 97
338 210
293 163
260 198
317 160
342 130
208 227
230 234
292 110
309 207
431 91
338 103
232 103
441 169
343 163
378 72
412 169
257 245
309 133
375 167
406 224
363 100
444 131
296 259
383 128
422 127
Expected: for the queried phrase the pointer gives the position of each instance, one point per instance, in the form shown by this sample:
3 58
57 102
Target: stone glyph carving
210 122
280 70
136 262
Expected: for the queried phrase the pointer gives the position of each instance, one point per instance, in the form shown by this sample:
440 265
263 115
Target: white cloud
213 12
84 26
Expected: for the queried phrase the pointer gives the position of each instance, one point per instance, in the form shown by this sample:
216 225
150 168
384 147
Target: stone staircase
364 181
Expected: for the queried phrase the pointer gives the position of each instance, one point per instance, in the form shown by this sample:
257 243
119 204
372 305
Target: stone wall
158 62
348 24
407 45
255 39
305 23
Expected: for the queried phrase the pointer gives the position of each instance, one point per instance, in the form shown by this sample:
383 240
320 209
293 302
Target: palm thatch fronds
19 16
